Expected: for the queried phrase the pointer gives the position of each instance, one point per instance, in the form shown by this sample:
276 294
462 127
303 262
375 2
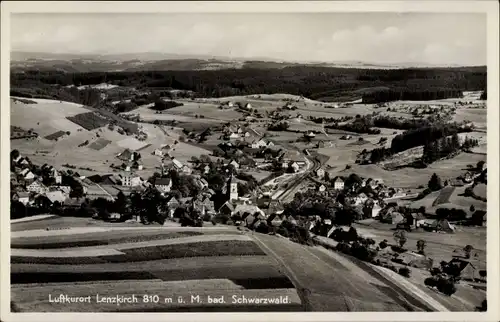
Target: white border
489 7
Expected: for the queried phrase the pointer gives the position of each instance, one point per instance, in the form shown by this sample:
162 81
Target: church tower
232 188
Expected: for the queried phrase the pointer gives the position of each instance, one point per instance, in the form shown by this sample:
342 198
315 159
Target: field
89 120
104 144
179 262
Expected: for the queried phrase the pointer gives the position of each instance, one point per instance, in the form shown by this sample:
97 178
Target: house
202 183
172 204
158 152
130 180
320 173
338 183
248 106
233 136
295 166
467 270
37 187
22 196
275 219
250 209
321 188
54 196
226 209
392 218
234 164
163 184
27 174
206 169
65 189
126 155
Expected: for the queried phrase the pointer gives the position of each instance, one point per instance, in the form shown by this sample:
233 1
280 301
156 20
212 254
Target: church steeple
232 188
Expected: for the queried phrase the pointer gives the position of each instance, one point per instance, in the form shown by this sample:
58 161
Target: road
327 284
292 186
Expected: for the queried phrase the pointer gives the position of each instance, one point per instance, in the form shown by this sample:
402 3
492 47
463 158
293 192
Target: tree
472 208
480 165
383 244
14 154
120 204
468 249
76 191
435 183
400 237
421 246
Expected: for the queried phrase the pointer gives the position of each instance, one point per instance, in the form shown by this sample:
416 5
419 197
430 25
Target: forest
319 83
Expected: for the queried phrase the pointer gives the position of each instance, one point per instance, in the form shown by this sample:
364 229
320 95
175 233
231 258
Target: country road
326 284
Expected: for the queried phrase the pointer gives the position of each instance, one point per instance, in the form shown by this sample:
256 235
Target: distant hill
87 62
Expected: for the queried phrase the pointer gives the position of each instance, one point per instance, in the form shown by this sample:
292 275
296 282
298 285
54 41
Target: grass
99 144
99 242
210 248
55 135
248 276
89 121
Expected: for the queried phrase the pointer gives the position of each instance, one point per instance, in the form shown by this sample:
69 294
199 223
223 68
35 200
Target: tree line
309 81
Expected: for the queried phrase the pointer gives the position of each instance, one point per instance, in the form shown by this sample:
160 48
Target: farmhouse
338 183
321 188
234 164
130 180
37 187
320 173
163 184
467 270
158 152
22 196
126 155
27 174
54 196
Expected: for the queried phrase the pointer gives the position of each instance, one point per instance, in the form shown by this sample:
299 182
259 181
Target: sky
431 38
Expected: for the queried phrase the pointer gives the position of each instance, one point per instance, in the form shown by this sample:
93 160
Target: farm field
231 264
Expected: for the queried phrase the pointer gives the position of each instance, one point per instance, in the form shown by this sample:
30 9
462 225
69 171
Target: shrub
446 287
430 281
383 244
404 271
436 271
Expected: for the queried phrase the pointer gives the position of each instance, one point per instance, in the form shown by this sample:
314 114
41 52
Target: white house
206 169
321 188
338 183
234 136
27 174
295 166
248 105
320 173
130 180
360 199
37 187
234 164
202 183
158 152
258 143
376 209
23 197
163 184
57 176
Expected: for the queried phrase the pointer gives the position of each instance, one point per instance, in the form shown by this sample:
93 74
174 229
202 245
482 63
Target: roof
251 209
162 181
56 196
461 263
337 178
228 205
23 194
177 163
126 154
